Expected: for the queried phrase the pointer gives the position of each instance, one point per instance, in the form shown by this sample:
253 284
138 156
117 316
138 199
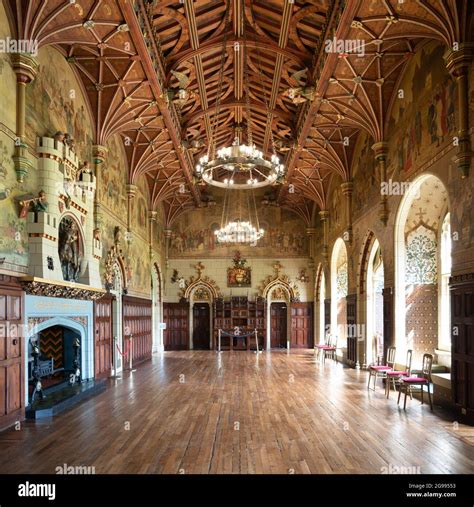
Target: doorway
201 326
278 322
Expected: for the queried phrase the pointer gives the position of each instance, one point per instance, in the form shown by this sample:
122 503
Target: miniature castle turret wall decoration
63 244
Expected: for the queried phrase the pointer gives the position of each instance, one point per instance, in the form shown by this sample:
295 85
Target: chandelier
242 165
239 232
239 229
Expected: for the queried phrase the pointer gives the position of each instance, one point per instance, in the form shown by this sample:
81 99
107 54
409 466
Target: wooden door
103 341
201 326
176 318
301 325
278 325
462 346
12 406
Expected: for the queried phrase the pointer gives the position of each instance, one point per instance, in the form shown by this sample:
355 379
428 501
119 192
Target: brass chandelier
239 166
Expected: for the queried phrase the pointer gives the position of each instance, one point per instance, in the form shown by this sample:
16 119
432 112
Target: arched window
339 289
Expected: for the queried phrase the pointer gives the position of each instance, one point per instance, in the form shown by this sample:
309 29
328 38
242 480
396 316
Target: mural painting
55 103
424 116
194 234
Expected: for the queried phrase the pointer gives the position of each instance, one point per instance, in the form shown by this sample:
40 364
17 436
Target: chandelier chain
211 150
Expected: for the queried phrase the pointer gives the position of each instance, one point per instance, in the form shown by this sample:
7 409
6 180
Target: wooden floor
236 412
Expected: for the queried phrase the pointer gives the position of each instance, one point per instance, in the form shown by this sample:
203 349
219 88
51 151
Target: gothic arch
209 285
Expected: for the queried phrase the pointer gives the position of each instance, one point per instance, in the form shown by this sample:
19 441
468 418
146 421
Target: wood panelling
137 323
462 344
176 318
301 334
103 341
11 352
352 334
388 302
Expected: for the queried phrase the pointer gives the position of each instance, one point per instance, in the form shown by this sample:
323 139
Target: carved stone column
347 189
25 68
380 149
457 63
151 219
167 244
99 154
310 232
324 216
131 192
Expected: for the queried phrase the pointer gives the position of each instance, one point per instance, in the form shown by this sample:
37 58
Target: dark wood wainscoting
301 325
137 322
176 318
12 405
103 340
462 344
388 323
352 332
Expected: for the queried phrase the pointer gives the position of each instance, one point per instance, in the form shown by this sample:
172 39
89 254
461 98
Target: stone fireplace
54 324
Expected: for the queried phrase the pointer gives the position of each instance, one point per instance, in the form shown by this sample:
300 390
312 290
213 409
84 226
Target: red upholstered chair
407 383
381 370
394 376
327 349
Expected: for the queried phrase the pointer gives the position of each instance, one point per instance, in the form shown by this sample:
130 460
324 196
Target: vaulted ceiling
135 57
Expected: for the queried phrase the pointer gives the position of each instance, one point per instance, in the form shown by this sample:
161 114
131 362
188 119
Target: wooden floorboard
236 412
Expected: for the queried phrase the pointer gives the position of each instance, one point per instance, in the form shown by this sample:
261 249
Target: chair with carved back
381 370
394 376
407 383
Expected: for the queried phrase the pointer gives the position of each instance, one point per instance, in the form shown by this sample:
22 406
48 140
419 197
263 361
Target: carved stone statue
69 249
40 203
117 235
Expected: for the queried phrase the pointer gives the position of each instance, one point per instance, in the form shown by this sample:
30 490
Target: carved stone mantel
52 288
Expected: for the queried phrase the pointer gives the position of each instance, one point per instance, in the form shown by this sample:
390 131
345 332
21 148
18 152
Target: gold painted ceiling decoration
150 71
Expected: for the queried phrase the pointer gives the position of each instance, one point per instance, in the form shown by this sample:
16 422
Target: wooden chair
381 370
327 348
407 383
394 376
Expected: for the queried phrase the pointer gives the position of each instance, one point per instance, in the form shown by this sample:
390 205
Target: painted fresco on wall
364 172
13 235
54 102
140 209
193 234
423 120
113 178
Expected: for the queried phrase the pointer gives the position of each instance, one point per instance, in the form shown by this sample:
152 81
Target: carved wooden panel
11 352
388 302
352 333
137 323
103 341
462 347
176 334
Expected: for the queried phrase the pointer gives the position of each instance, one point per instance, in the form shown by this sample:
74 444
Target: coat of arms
240 274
